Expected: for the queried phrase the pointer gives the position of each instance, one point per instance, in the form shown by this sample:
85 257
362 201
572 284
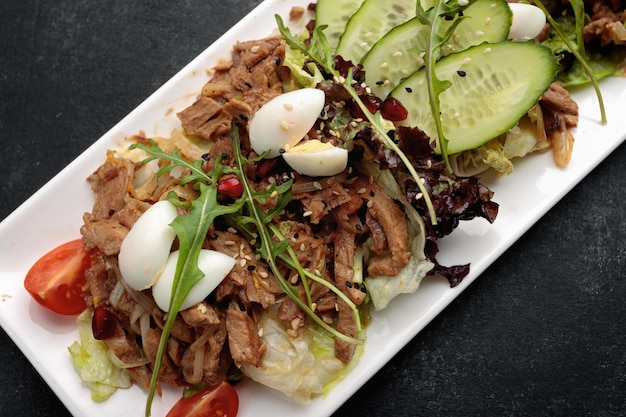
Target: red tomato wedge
220 400
56 279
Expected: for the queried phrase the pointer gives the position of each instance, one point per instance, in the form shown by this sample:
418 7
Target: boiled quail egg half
280 126
145 260
528 21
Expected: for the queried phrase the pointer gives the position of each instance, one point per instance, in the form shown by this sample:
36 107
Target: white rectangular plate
46 220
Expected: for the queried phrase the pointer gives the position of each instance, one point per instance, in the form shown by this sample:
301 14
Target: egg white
283 121
146 247
214 265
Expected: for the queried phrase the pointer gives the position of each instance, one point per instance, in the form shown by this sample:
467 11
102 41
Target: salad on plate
305 189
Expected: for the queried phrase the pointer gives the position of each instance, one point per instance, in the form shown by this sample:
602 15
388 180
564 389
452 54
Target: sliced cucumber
335 14
370 23
399 53
492 87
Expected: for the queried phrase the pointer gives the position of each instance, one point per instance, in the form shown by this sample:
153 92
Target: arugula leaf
432 18
191 230
575 49
272 245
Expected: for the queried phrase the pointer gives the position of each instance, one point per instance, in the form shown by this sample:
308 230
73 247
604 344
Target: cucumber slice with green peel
335 14
370 23
492 87
399 53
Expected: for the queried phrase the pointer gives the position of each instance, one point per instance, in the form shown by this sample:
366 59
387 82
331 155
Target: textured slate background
541 332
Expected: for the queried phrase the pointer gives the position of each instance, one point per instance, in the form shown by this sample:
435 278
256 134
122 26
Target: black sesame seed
281 151
248 84
461 73
408 89
296 235
358 227
243 116
348 284
278 61
372 193
206 157
380 82
251 267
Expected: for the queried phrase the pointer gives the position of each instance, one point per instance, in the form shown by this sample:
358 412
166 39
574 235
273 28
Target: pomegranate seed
103 323
393 110
231 187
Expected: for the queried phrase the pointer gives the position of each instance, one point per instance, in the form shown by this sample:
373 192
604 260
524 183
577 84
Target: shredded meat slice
249 280
127 351
110 183
558 100
243 338
606 23
393 222
322 202
105 234
238 89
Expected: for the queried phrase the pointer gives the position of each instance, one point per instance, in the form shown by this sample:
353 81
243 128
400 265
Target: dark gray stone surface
541 332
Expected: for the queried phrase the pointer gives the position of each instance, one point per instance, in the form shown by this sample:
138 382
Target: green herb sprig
321 52
579 51
246 215
432 19
254 223
191 230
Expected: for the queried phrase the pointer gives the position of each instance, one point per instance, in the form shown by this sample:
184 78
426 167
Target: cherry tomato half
56 279
220 400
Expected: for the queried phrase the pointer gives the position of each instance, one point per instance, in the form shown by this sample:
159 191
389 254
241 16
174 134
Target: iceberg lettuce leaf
91 361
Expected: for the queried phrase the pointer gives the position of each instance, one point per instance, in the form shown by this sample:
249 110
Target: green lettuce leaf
90 359
300 367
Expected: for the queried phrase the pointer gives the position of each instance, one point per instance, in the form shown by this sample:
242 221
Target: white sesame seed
263 274
273 194
229 242
260 333
363 44
463 2
288 106
404 72
370 203
302 247
397 54
418 196
361 190
386 83
284 125
242 262
255 49
479 33
467 61
384 65
487 21
307 213
487 50
317 185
